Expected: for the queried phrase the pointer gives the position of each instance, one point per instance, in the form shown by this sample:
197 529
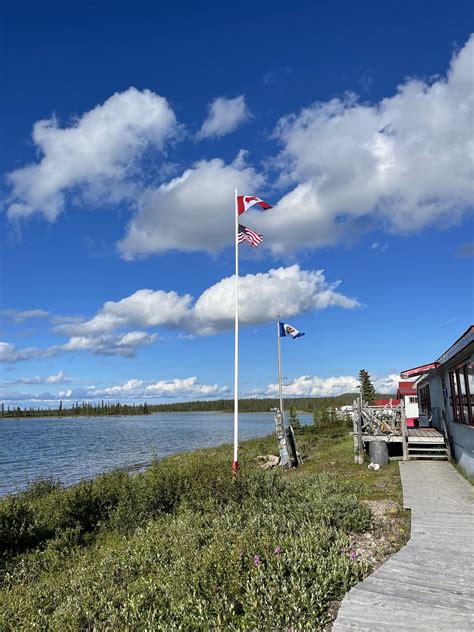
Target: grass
182 547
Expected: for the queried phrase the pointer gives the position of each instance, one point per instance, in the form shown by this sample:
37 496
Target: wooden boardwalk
429 584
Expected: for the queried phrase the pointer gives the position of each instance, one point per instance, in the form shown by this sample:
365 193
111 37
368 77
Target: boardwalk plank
429 584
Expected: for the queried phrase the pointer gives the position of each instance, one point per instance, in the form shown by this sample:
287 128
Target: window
461 382
425 402
413 400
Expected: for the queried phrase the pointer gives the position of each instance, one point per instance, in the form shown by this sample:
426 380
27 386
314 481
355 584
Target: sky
124 135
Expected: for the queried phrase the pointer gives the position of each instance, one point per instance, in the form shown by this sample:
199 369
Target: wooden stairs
426 443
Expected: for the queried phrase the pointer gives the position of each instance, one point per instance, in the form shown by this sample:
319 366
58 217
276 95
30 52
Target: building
446 397
408 393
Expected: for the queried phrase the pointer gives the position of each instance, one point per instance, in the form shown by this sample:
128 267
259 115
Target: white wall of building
411 408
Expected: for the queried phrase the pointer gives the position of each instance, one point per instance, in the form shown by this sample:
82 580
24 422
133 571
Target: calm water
70 449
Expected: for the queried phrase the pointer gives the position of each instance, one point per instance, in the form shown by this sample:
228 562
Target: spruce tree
366 387
294 420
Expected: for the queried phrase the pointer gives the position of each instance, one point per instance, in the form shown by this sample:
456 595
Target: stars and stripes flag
244 202
247 234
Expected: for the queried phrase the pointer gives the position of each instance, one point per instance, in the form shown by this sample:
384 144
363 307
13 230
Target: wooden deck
416 435
429 584
424 435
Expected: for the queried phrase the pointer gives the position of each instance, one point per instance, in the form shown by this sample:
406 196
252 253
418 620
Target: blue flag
288 330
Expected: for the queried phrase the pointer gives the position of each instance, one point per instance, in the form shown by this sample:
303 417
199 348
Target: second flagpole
236 344
280 389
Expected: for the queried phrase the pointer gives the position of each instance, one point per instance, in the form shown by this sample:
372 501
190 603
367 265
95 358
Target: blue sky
124 135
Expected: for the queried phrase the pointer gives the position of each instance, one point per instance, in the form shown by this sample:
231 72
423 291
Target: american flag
247 234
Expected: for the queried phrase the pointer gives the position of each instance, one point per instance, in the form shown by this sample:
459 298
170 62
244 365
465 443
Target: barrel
378 452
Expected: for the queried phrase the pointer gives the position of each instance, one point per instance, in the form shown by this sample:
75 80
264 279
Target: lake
73 448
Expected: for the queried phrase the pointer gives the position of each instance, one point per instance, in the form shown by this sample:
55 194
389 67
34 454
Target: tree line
78 409
319 406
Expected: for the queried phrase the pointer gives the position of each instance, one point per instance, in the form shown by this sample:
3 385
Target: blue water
71 449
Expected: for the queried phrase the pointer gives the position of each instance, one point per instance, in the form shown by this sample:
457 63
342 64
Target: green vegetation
87 409
367 388
294 420
83 409
181 546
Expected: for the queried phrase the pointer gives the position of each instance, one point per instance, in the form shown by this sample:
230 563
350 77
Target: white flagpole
279 367
236 348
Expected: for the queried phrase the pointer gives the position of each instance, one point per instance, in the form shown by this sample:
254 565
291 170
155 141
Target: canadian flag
244 202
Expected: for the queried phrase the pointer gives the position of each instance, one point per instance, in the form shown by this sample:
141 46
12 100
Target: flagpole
280 391
236 343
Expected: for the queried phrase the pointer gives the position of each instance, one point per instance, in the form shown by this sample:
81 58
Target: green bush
17 526
180 546
272 556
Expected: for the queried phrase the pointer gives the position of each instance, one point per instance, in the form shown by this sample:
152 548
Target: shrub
273 556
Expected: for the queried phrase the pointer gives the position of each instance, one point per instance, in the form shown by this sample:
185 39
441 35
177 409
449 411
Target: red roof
405 388
460 343
386 402
419 370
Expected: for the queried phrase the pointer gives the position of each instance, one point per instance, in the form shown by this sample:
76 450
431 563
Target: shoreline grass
181 546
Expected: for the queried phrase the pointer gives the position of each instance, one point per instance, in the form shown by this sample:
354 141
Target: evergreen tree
294 420
316 420
366 387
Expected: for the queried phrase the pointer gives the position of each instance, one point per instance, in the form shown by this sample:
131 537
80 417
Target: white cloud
129 391
119 327
57 378
225 115
110 344
307 386
185 388
286 291
387 384
192 212
10 353
313 386
124 344
20 317
98 152
402 164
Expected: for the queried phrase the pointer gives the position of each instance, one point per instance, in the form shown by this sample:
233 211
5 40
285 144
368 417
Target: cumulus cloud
138 389
119 327
10 353
57 378
123 344
190 213
144 308
131 390
97 152
403 163
225 115
285 291
387 384
313 386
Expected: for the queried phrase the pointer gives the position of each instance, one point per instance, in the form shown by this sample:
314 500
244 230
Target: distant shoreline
109 409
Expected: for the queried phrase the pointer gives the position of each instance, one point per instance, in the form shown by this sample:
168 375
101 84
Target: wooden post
358 443
403 424
355 434
446 436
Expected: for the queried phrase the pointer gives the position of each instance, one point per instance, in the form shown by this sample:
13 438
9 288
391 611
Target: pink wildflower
256 560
